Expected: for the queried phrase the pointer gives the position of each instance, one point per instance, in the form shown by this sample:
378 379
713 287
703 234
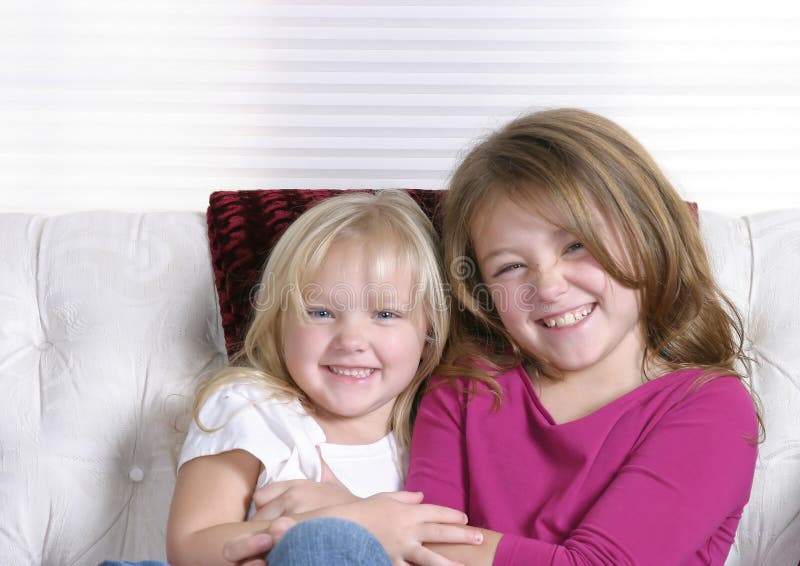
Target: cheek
626 302
291 350
403 347
300 342
514 301
629 302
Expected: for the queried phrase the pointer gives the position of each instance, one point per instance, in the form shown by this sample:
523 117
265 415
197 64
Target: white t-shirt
282 435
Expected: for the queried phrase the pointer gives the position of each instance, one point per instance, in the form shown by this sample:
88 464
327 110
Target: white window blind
153 104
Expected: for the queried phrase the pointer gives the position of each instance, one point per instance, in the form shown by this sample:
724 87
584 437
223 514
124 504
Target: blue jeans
328 542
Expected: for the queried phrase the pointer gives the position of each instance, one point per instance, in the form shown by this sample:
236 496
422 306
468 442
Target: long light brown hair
394 231
574 162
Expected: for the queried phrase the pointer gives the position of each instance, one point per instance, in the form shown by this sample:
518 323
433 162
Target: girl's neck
620 369
580 393
351 431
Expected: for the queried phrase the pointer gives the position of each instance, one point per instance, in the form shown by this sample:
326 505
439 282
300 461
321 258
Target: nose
351 335
550 283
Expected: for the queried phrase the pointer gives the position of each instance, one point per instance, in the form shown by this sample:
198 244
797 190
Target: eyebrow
494 253
557 233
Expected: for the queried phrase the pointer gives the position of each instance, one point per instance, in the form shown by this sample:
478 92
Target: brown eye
507 268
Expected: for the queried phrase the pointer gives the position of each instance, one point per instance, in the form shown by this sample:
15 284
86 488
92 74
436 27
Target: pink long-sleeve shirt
657 477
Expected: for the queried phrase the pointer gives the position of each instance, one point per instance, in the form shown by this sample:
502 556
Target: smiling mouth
567 319
359 373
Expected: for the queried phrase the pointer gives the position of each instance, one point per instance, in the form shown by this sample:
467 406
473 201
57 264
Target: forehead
500 213
353 277
356 262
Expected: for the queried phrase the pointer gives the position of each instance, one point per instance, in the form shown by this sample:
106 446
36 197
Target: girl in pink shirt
590 409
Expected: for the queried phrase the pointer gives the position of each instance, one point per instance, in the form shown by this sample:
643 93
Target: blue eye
320 313
386 315
574 247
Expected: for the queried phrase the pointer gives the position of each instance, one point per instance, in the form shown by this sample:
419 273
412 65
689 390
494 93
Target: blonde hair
393 229
572 162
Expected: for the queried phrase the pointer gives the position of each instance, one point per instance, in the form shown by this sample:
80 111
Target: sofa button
136 474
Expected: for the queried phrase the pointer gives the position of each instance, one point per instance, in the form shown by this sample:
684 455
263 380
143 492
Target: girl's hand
250 549
300 496
403 525
297 496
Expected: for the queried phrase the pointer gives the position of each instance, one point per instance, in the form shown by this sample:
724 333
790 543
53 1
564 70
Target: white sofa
110 319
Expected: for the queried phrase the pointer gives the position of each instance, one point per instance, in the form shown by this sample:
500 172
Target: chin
573 365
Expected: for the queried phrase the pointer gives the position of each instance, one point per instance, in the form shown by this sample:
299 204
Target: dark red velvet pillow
243 226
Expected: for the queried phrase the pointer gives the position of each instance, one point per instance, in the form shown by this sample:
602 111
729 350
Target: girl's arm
406 527
209 506
470 554
407 538
212 495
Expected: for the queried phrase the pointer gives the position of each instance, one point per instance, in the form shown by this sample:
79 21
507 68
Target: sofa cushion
756 260
109 324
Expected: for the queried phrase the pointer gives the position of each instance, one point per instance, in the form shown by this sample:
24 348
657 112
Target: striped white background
152 104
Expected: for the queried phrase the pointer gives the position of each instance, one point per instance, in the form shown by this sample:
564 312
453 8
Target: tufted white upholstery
109 320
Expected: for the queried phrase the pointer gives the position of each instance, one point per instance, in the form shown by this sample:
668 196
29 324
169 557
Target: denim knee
328 542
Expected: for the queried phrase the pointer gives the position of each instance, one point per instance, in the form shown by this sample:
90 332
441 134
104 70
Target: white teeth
359 373
569 319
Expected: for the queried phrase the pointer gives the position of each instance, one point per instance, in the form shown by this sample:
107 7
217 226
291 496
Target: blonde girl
590 408
350 318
